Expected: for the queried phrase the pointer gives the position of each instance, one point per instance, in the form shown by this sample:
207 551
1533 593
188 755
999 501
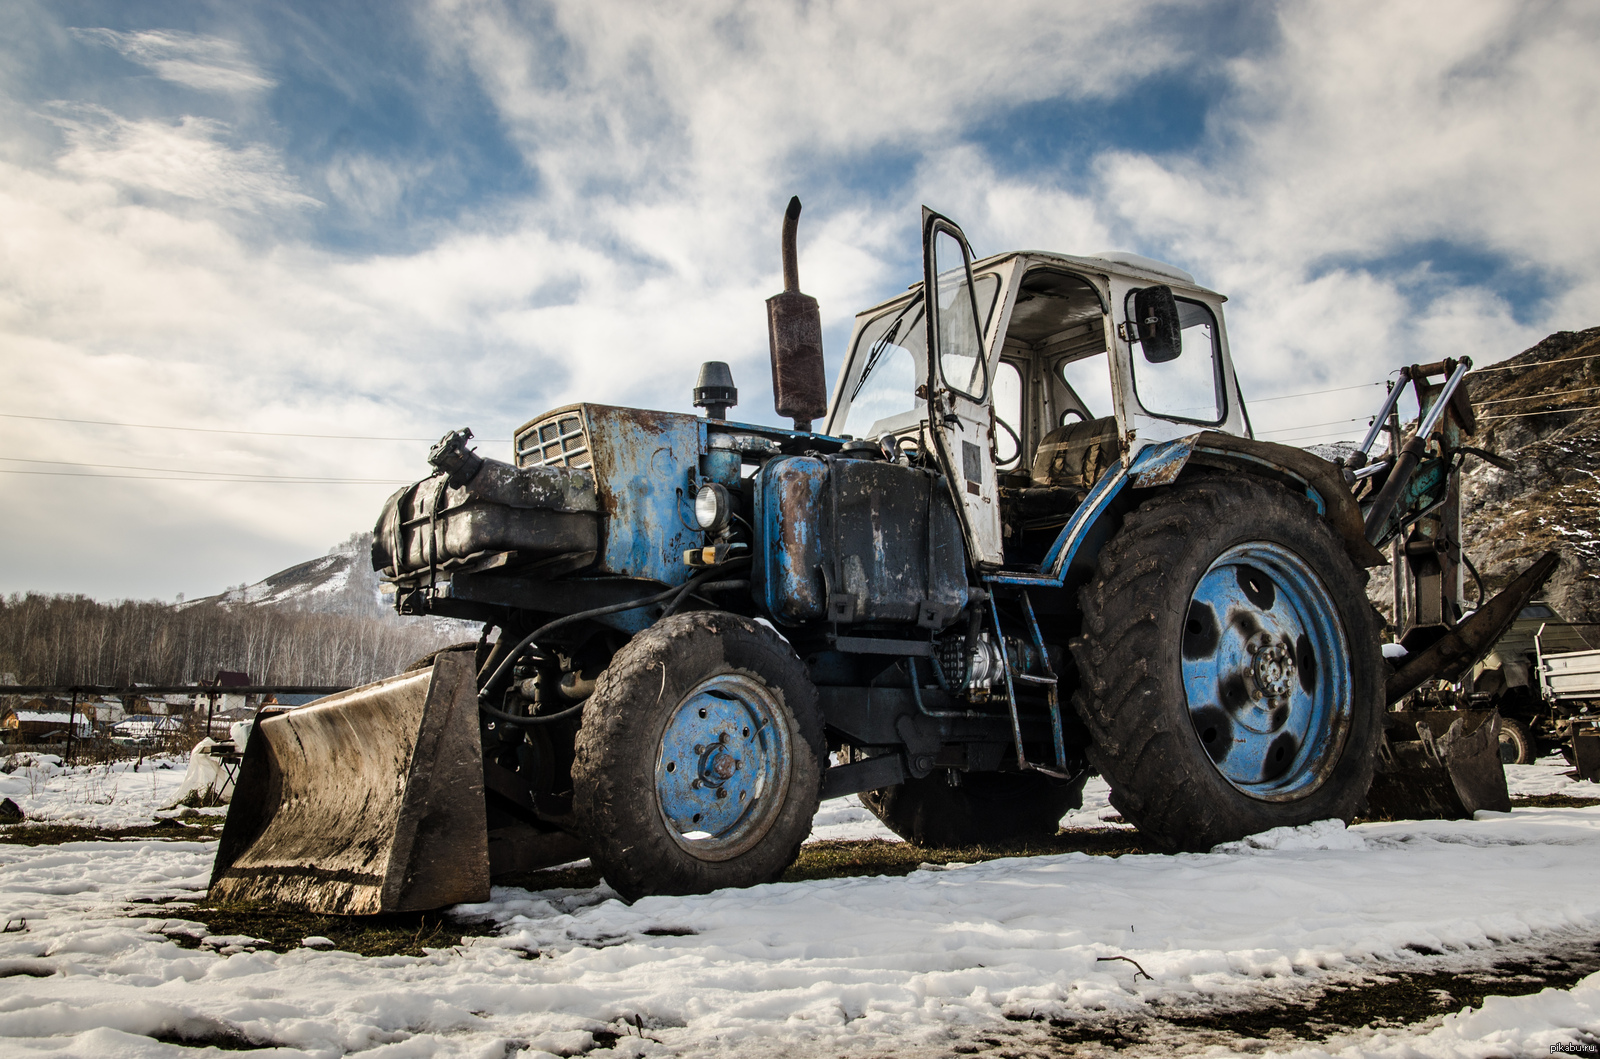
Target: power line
223 481
1534 396
210 475
1532 364
1337 434
1313 393
221 430
1545 412
1309 426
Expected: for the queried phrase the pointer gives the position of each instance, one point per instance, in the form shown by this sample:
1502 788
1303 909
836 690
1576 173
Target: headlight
712 508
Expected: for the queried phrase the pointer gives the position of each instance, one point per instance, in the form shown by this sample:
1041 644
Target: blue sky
387 220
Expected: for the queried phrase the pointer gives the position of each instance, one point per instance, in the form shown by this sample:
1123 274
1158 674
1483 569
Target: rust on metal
794 331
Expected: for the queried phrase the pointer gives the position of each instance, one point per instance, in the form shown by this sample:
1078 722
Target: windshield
891 350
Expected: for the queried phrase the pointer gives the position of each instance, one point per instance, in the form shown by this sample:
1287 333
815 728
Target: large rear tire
1231 673
699 762
987 807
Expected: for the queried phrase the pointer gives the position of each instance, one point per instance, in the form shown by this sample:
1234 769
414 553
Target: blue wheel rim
1266 672
722 767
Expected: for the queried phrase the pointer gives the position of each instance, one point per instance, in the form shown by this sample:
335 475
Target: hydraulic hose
676 594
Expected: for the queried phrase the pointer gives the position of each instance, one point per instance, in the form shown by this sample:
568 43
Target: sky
255 257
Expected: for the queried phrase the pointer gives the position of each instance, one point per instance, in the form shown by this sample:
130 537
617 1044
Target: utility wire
1309 426
191 478
221 430
1531 364
1532 396
211 475
1313 393
1545 412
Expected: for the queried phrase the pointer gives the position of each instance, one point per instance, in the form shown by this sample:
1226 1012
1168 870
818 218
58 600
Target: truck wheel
987 807
1516 743
1230 668
698 764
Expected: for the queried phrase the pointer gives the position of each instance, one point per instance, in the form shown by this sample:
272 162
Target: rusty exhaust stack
794 327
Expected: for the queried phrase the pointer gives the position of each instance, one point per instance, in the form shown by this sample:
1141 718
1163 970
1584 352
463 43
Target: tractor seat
1076 455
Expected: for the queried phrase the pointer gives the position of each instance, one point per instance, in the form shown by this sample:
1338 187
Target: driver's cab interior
1055 429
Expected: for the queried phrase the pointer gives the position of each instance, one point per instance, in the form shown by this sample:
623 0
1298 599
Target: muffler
794 331
367 801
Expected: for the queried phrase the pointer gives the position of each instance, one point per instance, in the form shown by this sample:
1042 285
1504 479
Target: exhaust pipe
794 328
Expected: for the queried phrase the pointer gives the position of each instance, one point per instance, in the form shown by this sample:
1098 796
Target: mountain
341 582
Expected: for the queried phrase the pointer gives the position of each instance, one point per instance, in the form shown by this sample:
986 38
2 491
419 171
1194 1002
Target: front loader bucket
367 801
1450 771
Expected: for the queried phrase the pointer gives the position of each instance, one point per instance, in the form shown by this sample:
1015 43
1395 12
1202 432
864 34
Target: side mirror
1155 314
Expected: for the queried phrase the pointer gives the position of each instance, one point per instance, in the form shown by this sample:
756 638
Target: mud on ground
1336 1012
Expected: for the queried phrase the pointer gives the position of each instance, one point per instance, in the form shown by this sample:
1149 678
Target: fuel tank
857 540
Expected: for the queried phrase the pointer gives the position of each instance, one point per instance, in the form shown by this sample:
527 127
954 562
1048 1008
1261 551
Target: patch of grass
282 929
209 1034
1552 801
583 877
841 859
192 829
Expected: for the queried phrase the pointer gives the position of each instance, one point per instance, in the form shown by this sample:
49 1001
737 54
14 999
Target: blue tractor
1029 536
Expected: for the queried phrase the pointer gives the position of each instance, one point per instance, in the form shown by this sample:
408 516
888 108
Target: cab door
958 312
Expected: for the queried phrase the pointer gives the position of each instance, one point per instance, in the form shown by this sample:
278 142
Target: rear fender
1301 471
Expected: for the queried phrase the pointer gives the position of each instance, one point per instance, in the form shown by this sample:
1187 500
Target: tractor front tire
988 807
1231 675
699 761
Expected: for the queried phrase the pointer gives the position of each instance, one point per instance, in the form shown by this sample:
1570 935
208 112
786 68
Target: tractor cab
1046 370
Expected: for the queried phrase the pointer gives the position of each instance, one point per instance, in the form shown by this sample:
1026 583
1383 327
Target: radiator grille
559 441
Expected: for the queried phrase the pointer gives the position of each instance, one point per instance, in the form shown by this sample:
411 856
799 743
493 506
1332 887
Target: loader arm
1472 639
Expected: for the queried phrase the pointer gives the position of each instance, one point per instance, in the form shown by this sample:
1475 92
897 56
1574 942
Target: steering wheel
1016 440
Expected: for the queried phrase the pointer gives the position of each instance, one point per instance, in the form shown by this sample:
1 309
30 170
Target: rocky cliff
1541 411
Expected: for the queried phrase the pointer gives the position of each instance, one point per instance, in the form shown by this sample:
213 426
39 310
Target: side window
963 317
1089 379
1189 386
1008 415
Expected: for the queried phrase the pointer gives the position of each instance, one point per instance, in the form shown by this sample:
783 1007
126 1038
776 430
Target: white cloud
187 158
1371 131
209 64
666 140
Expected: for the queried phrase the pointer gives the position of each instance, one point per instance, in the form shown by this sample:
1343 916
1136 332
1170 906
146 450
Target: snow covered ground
918 965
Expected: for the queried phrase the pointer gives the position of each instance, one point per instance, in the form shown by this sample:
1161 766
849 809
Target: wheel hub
722 764
1272 670
716 764
1266 671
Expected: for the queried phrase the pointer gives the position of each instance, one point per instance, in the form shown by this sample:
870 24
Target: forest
69 639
